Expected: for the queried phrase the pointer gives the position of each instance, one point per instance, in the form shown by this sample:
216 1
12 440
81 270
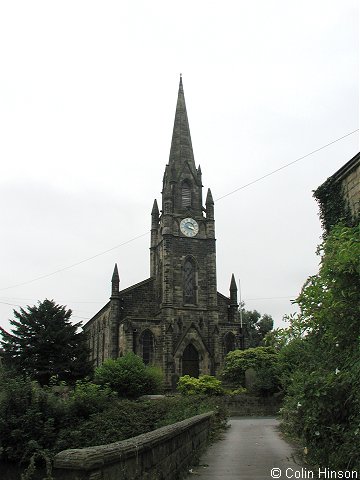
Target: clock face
189 227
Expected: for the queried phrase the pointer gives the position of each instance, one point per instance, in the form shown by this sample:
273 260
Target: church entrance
190 361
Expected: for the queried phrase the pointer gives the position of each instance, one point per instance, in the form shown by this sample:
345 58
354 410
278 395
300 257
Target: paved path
249 449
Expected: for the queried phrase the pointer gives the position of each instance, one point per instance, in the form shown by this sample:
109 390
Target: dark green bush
40 421
265 362
321 367
129 377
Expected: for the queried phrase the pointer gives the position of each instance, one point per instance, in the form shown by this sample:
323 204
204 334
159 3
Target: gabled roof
347 168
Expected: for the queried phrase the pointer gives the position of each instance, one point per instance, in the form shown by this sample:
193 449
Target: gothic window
229 342
147 341
189 281
185 194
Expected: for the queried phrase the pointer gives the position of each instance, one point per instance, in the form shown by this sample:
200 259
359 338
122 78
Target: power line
75 264
147 233
287 165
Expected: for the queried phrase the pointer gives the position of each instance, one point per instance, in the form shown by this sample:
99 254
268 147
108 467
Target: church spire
181 147
233 292
115 282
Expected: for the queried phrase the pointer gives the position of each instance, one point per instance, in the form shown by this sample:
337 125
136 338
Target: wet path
249 450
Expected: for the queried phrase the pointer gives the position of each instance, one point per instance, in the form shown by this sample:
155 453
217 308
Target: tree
322 405
129 376
264 360
257 326
44 343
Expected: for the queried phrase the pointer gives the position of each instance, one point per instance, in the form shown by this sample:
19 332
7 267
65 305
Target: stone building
175 319
339 195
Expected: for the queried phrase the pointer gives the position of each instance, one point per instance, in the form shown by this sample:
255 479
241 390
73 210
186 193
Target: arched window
189 281
185 194
229 342
147 341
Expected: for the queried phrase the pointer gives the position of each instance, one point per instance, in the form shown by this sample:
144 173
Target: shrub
129 377
204 385
264 360
88 398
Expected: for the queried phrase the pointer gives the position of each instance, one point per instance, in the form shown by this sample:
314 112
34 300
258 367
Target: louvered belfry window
185 194
189 281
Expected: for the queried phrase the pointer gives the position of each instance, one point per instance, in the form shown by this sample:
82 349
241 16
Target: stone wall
245 405
162 454
351 186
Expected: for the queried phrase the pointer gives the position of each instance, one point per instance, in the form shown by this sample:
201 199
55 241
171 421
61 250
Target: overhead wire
147 233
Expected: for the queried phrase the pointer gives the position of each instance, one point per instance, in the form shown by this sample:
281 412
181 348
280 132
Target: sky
87 101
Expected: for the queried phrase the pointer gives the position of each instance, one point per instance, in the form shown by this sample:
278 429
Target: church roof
181 147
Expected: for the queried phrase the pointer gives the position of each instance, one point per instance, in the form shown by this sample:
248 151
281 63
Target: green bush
204 385
38 422
264 360
88 398
129 376
321 367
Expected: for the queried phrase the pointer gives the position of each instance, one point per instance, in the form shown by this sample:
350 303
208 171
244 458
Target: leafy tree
264 360
44 343
322 406
257 326
129 376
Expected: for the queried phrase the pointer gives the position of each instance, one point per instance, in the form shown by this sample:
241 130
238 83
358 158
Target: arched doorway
190 361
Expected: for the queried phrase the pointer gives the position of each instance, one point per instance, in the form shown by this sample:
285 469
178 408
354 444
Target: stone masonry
176 319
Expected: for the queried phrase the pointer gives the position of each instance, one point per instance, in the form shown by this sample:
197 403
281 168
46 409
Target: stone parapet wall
245 405
158 455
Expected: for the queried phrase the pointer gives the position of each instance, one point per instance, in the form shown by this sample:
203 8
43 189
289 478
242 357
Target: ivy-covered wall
339 196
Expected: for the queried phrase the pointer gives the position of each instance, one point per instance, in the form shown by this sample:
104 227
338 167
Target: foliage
236 391
257 326
37 422
129 376
204 385
264 360
332 204
88 398
44 343
322 382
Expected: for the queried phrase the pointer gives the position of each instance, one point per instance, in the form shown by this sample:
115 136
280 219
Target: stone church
175 319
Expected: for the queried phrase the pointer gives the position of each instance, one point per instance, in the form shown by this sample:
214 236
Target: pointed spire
209 203
155 209
209 198
115 282
181 147
233 291
233 285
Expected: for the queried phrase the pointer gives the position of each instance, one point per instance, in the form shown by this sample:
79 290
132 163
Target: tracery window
185 194
189 281
147 341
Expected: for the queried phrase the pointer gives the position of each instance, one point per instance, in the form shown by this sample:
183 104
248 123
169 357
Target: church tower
176 319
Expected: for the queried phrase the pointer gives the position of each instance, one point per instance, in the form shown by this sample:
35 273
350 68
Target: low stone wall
244 405
162 454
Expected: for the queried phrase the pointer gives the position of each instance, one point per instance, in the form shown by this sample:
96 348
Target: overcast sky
87 102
